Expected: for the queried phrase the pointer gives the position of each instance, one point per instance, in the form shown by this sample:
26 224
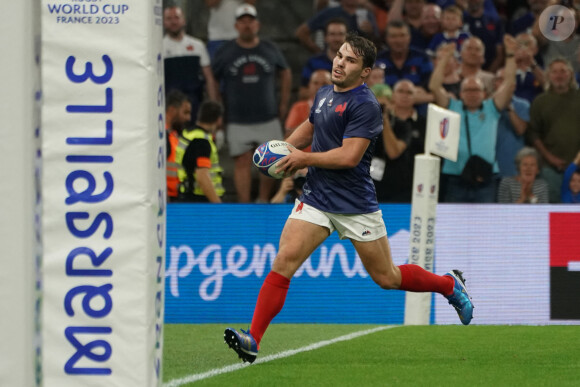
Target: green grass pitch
402 356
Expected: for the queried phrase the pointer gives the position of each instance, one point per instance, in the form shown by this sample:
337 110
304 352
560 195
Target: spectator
489 30
511 128
571 182
554 118
451 29
404 62
478 132
526 187
366 26
334 36
451 78
177 116
381 90
402 138
219 26
248 66
300 110
186 61
408 11
472 59
529 75
430 25
488 6
526 22
290 187
200 175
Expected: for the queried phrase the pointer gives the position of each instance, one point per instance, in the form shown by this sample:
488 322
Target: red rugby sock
416 279
270 302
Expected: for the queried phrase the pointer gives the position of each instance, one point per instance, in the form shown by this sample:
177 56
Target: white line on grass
291 352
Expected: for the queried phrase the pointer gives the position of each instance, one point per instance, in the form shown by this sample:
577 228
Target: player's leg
377 260
304 231
298 240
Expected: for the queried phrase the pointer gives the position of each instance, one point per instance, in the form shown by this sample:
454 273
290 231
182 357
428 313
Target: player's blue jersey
355 113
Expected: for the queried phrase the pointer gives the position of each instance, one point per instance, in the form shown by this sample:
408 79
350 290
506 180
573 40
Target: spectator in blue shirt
404 62
489 30
347 11
334 36
529 75
430 25
451 29
571 182
511 128
479 119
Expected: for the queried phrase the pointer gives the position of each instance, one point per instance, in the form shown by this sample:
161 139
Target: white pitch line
265 359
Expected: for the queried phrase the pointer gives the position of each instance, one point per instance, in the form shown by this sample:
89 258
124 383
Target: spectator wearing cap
220 28
248 68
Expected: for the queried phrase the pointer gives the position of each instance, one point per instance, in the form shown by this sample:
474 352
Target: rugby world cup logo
444 127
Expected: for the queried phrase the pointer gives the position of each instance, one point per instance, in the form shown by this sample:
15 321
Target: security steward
200 175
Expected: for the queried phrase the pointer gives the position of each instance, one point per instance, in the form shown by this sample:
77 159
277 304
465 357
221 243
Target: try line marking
265 359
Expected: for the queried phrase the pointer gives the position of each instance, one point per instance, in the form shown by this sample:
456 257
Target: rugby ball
268 154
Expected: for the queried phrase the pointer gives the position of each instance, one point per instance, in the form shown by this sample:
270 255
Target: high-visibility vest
215 171
172 167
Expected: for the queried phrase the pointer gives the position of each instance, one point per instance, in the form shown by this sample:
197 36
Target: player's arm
436 82
203 178
301 137
346 156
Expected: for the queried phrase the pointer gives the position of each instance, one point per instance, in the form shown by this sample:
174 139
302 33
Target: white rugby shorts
360 227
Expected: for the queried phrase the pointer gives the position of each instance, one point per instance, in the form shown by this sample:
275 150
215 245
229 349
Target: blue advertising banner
218 257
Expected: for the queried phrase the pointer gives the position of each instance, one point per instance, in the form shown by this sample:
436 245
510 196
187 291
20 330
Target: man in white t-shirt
187 63
220 26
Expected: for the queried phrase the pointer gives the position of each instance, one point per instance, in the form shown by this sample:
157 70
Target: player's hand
294 161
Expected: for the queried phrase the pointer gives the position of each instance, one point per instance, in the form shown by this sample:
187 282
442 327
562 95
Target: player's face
347 69
173 21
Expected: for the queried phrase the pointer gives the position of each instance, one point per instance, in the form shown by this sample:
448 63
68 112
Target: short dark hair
210 112
335 20
397 24
362 47
175 98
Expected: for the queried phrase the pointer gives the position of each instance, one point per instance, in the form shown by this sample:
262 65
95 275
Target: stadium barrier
521 265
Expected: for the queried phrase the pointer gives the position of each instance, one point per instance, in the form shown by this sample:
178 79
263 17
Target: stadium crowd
491 61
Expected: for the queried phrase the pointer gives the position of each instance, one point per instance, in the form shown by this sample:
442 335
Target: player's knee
386 282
